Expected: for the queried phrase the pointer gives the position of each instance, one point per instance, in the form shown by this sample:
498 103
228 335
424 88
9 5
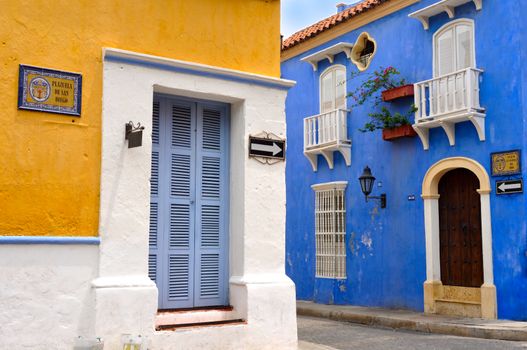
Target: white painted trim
433 265
109 53
334 185
444 28
486 239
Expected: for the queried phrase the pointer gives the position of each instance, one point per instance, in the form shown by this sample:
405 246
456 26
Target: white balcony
446 100
326 133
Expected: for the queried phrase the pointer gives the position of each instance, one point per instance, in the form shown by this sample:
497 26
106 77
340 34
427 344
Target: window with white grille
330 229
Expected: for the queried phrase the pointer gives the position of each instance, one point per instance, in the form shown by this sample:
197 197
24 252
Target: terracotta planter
398 92
398 132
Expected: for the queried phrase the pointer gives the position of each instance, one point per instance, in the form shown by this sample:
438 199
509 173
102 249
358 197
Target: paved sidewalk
414 321
305 345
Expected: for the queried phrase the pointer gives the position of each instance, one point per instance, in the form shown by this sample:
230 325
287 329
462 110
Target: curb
417 322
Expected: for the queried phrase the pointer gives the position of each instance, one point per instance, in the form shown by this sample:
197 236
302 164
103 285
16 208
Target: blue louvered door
188 213
211 206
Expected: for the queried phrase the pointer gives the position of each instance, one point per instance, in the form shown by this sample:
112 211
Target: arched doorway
459 269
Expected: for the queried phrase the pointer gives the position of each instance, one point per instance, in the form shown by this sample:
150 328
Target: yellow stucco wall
50 163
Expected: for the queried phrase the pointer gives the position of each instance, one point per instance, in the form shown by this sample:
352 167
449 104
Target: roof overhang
328 53
423 15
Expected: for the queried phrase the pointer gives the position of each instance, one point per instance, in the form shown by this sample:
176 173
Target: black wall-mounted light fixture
134 134
366 184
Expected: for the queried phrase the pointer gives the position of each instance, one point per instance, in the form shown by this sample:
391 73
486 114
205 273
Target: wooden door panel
460 229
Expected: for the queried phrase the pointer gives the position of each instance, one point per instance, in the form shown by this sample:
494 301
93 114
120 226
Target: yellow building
96 237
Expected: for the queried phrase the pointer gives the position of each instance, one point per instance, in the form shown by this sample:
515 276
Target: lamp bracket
382 198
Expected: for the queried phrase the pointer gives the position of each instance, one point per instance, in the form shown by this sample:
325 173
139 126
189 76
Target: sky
298 14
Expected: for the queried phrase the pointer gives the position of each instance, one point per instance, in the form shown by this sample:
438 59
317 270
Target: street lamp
366 184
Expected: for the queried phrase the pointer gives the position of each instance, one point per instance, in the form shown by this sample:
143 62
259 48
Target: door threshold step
193 309
457 301
171 327
196 316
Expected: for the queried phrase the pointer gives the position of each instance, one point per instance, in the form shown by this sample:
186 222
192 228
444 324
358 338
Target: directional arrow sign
509 186
268 148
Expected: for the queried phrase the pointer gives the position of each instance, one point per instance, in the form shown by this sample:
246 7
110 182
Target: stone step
445 300
191 317
458 308
462 293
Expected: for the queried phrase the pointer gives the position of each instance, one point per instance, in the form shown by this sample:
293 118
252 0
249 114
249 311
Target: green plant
384 119
381 79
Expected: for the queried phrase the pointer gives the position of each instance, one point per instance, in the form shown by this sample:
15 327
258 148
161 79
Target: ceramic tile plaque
505 163
47 90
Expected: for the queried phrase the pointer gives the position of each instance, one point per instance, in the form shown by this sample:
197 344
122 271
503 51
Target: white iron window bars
330 230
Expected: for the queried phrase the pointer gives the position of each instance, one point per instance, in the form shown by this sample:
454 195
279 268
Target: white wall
46 299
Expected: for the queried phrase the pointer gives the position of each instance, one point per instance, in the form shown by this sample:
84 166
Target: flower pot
398 92
398 132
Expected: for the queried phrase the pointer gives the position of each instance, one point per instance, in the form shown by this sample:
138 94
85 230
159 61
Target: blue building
451 238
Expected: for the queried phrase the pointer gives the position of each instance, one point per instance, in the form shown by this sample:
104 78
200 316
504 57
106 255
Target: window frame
331 70
449 26
334 267
357 49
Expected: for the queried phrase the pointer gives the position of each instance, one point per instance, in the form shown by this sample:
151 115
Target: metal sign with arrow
509 186
267 148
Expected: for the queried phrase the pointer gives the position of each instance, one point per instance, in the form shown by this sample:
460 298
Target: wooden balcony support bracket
313 159
312 156
346 154
424 21
478 120
450 10
328 154
450 131
423 134
448 124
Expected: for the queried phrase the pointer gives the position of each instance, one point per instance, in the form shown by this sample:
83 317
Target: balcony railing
325 133
446 100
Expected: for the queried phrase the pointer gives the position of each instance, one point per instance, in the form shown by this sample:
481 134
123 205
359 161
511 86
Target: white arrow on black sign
267 148
509 186
274 149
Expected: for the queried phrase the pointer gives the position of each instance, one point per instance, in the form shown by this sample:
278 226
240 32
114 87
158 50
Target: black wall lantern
366 184
134 134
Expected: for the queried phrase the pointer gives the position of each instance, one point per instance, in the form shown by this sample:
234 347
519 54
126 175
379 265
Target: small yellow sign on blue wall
506 163
48 90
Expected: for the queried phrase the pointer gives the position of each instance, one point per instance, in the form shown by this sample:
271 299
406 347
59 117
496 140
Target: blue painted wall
386 247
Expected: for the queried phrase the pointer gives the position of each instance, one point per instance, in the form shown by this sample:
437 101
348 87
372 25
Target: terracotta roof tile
330 22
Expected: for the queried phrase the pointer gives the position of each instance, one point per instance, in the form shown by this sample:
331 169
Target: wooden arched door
460 229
